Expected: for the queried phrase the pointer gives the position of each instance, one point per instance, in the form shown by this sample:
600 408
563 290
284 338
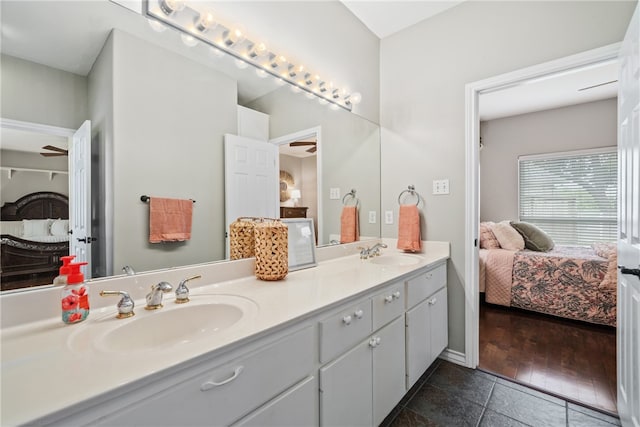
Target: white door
250 180
80 197
628 331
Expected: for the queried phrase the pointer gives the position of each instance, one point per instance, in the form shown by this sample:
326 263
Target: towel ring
351 194
412 191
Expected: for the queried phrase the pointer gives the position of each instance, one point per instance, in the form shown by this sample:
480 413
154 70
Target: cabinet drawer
388 305
420 287
224 393
344 329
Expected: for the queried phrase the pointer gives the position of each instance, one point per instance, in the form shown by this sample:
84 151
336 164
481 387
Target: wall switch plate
440 186
334 193
388 217
372 217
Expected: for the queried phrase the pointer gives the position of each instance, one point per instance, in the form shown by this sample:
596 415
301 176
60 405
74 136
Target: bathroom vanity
338 344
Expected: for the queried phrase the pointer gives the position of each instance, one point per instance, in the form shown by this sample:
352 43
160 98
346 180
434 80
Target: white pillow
36 227
60 227
507 236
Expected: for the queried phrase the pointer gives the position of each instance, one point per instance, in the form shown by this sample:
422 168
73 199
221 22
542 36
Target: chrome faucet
366 253
125 305
128 270
154 298
182 292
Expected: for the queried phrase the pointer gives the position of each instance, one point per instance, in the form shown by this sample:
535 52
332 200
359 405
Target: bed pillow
60 227
507 236
35 227
487 238
535 238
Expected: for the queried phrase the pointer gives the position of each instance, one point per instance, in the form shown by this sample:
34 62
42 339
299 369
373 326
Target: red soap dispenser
75 296
61 279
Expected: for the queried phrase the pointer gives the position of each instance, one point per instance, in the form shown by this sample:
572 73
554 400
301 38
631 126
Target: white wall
577 127
423 72
24 182
167 142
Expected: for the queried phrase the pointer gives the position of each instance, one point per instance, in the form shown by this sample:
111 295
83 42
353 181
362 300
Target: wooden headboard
40 205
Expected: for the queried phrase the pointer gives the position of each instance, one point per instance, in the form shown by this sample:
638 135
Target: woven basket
241 238
271 250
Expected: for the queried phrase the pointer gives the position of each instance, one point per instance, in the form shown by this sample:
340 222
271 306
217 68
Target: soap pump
61 279
75 296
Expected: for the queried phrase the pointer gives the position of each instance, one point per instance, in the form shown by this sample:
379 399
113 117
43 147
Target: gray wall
577 127
423 72
304 173
170 115
25 182
36 93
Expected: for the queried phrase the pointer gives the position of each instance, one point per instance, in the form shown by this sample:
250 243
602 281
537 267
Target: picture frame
302 243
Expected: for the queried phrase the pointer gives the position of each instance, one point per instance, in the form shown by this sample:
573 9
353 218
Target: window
572 196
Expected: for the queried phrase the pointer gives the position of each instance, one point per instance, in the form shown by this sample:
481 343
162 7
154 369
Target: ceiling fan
313 148
57 151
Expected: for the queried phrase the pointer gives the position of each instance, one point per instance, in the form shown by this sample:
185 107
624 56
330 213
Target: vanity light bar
203 25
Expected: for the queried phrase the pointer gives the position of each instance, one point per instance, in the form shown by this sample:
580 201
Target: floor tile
469 384
526 407
595 414
444 408
530 391
408 418
493 419
414 389
578 419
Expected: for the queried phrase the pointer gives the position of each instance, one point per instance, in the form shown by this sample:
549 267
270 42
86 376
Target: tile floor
451 395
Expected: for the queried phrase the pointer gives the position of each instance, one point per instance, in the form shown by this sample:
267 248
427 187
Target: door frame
472 167
316 132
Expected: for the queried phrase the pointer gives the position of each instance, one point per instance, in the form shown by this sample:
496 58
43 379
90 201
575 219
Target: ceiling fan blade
53 148
312 149
53 154
301 143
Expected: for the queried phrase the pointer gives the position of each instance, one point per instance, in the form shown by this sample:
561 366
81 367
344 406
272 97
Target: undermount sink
395 259
205 316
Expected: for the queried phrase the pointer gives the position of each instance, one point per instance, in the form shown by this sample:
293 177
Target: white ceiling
21 140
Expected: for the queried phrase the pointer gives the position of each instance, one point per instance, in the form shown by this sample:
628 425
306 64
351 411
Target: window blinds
571 196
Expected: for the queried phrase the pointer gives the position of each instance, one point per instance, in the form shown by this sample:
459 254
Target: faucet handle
182 292
125 305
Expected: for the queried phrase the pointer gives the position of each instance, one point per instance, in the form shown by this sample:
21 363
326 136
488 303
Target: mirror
159 111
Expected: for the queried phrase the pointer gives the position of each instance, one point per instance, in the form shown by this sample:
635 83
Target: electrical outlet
372 217
334 193
388 217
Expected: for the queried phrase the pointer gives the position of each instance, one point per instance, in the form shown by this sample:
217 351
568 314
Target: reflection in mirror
159 111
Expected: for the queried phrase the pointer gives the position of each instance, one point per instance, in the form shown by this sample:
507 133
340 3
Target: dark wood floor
573 360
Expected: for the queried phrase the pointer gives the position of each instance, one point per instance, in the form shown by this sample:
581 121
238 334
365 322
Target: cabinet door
418 342
388 369
345 389
297 406
438 323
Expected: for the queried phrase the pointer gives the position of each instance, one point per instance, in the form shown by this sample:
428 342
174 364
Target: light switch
334 193
440 186
372 217
388 217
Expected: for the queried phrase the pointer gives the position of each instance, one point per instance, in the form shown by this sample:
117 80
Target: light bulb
156 25
169 7
308 80
232 38
335 94
241 64
256 50
276 61
261 73
204 21
217 52
355 98
188 40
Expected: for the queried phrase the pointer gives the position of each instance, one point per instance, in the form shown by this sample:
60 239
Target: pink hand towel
169 220
349 230
409 239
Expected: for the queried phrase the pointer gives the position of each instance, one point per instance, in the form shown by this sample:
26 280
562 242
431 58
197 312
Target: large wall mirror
159 110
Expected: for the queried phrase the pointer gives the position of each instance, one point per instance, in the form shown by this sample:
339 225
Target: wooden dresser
291 212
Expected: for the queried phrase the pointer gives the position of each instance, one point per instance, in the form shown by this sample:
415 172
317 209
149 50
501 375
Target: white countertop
42 373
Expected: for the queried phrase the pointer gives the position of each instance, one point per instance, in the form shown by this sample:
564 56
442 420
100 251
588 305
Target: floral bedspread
564 282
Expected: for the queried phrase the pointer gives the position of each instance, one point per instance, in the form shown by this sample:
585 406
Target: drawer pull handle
359 314
211 384
388 298
396 295
432 301
346 320
429 276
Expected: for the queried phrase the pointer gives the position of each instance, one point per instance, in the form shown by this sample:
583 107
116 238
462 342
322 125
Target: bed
572 282
34 235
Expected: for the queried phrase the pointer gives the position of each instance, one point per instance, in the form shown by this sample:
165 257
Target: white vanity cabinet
276 380
426 321
363 385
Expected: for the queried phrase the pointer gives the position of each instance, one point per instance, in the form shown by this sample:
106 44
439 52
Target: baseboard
454 357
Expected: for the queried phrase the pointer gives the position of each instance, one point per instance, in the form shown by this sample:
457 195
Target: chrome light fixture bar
195 22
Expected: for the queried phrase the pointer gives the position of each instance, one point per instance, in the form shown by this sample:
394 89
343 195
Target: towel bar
144 198
412 191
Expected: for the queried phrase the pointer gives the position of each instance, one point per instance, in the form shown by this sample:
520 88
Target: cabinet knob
396 295
378 341
432 301
346 320
429 275
388 298
373 342
359 313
